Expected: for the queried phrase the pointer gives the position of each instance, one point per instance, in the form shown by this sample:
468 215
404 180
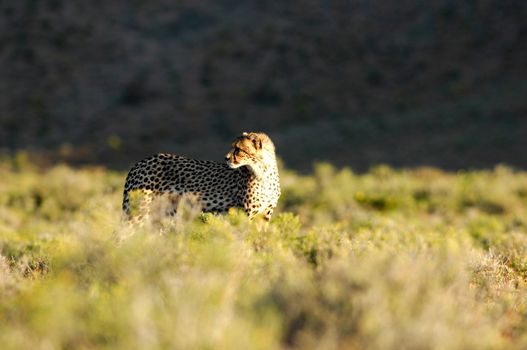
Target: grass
390 259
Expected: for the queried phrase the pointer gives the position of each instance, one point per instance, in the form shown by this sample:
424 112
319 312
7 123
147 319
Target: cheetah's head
255 150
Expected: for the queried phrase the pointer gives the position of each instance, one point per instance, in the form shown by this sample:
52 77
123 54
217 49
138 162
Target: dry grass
414 259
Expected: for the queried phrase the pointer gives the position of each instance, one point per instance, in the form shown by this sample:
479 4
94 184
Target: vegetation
390 259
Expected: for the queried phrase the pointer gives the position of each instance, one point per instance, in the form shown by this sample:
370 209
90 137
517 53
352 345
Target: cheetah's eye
239 151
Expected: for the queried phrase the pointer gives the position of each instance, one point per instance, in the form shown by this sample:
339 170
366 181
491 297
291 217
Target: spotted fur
248 179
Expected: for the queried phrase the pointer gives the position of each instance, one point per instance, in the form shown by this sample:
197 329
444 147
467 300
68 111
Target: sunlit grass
391 259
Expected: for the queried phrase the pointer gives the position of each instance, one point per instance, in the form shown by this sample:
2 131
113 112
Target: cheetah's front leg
268 214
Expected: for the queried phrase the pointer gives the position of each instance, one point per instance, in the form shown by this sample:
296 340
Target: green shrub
388 259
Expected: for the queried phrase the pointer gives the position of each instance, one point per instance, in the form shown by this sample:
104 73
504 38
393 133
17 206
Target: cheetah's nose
227 156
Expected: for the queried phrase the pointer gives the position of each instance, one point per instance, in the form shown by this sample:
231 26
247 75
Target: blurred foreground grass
392 259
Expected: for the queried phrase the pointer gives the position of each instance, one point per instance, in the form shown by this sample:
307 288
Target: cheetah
248 180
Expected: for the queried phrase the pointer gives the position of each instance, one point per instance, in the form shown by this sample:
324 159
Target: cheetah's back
216 186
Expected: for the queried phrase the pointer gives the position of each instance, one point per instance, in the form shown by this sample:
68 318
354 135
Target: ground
415 257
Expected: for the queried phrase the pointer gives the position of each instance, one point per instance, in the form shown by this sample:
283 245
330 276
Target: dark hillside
352 82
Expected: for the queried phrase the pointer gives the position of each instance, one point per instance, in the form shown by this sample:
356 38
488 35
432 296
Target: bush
388 259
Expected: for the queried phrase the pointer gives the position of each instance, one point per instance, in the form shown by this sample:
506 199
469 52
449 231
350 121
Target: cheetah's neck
263 184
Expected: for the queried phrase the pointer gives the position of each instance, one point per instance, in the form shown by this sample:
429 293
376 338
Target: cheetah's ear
257 142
